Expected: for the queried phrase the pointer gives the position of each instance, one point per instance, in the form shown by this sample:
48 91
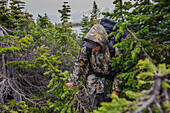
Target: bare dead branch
150 110
146 104
3 30
152 95
24 86
80 103
77 108
158 105
3 65
140 44
166 94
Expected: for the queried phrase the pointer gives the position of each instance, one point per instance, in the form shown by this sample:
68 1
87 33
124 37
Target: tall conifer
85 26
95 14
65 13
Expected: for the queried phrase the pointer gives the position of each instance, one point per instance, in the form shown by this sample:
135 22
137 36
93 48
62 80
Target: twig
139 103
79 49
126 108
143 98
80 104
148 102
121 12
150 90
3 66
77 108
166 94
150 110
3 30
140 44
21 94
156 92
158 105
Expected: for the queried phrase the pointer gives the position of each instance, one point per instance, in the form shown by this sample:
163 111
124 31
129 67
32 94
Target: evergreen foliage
37 58
3 12
44 22
95 14
85 26
14 19
27 61
65 13
62 100
146 23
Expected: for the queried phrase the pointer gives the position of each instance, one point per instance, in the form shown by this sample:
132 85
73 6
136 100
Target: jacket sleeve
115 84
80 66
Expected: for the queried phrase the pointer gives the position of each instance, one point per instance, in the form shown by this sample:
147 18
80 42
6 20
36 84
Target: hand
70 84
114 92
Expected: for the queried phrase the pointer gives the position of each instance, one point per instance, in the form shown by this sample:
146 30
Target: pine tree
43 21
13 18
65 13
95 14
4 14
3 6
88 22
29 23
16 13
85 26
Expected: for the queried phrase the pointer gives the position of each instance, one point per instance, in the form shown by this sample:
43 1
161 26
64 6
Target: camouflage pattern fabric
99 61
95 84
115 83
98 34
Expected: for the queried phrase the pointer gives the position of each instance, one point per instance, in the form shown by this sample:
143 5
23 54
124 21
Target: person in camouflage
95 40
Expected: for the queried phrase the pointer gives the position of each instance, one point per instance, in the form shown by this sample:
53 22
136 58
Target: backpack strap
111 49
89 55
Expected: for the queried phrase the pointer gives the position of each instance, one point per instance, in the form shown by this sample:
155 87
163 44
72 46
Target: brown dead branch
153 95
22 85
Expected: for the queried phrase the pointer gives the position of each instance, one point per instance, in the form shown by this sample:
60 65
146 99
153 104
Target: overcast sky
51 7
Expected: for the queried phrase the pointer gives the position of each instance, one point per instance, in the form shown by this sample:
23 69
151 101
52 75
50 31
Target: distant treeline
77 24
74 24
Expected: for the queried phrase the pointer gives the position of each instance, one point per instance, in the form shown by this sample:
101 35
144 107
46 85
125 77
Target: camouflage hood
98 34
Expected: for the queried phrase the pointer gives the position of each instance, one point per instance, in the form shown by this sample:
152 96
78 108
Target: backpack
108 24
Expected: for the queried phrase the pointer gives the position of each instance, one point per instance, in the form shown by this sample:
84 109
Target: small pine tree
4 15
85 27
65 13
43 21
95 14
3 5
29 23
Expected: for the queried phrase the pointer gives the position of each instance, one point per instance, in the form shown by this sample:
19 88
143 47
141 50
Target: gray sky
51 7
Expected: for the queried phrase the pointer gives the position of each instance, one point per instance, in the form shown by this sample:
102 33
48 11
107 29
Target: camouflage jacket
99 60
